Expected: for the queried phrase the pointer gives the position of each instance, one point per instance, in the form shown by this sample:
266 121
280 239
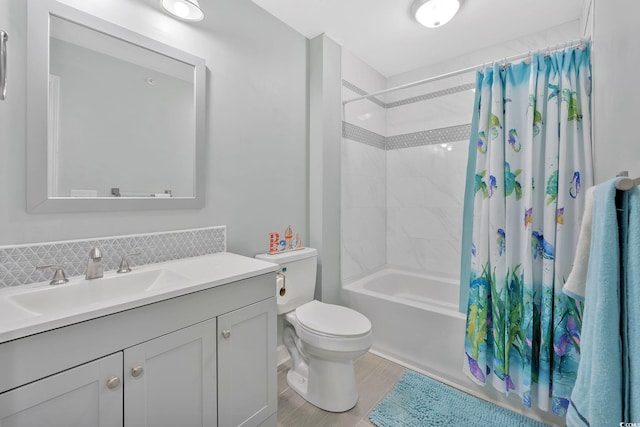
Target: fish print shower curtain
532 164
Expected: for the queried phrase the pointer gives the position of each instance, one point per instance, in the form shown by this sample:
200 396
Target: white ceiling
384 34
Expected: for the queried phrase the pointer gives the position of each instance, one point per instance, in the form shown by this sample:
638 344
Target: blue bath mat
418 401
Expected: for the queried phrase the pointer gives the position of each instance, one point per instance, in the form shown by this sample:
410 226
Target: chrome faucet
124 264
95 269
58 276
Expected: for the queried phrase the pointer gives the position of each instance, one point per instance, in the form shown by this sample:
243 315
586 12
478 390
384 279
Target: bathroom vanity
183 343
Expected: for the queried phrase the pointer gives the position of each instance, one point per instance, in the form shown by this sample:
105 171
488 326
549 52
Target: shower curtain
531 163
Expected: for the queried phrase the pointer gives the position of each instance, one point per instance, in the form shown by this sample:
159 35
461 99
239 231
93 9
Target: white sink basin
31 309
10 312
84 293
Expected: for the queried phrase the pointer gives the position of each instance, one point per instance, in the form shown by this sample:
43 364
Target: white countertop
179 277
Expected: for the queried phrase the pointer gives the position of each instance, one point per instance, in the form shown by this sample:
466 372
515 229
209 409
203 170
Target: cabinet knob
136 371
226 334
113 382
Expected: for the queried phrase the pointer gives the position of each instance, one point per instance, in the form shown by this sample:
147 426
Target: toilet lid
332 319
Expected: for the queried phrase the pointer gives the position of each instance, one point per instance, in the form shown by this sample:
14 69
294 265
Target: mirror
116 120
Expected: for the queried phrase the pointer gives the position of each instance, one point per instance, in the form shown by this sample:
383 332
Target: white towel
575 284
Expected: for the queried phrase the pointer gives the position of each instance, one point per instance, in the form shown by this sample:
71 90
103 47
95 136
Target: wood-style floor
375 377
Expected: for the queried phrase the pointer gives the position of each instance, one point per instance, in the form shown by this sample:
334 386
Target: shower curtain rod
549 49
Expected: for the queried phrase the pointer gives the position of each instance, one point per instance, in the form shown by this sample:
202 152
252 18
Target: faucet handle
58 275
124 264
95 254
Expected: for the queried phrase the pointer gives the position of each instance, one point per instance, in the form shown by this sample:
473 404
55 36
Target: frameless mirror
116 120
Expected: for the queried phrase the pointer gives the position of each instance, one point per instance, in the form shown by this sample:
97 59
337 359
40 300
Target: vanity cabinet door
247 389
171 380
86 396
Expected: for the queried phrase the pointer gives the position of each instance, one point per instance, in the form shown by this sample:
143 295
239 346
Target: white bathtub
415 320
416 323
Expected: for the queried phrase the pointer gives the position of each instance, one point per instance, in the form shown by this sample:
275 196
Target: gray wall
256 177
616 60
324 163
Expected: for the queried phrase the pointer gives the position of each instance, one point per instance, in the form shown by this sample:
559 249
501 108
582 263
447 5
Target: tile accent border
411 100
18 263
362 92
363 135
415 139
431 95
426 137
429 137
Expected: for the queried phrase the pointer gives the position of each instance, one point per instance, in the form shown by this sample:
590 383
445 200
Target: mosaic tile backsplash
18 263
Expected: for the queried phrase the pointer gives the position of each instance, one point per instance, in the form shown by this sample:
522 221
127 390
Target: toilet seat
332 320
323 340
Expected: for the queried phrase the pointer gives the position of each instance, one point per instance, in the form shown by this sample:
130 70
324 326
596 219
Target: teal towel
597 396
631 307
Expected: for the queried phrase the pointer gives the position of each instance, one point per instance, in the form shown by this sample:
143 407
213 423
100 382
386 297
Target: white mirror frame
39 12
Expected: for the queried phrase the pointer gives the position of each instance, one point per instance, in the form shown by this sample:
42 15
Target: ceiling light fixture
187 10
434 13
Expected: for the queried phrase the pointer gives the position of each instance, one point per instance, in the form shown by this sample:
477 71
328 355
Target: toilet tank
299 271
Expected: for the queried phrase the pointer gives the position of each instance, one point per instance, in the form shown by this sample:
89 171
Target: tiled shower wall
425 182
363 174
18 263
425 196
403 176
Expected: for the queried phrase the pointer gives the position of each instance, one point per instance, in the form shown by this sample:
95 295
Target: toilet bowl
322 339
322 355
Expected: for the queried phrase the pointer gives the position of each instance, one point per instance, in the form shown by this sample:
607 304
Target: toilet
322 339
